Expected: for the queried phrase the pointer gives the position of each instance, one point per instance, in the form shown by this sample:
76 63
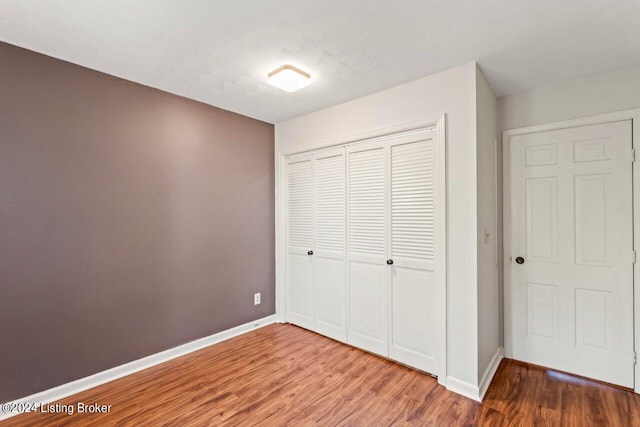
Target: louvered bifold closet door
329 267
366 232
414 296
299 285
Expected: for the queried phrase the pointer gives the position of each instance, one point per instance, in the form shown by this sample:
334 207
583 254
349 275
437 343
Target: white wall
488 307
451 92
601 93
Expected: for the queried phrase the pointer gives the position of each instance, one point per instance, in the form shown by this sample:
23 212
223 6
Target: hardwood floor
283 375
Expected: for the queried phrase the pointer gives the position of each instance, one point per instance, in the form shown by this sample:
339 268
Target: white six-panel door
571 288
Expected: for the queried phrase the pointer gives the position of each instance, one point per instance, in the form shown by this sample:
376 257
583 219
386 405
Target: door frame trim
634 116
437 122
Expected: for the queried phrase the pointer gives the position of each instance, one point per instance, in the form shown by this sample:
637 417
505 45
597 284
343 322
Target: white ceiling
219 52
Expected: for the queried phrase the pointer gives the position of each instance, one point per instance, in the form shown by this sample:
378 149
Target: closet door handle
390 262
310 253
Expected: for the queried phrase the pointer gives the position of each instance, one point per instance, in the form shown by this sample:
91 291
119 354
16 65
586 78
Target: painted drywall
131 221
606 92
488 308
451 92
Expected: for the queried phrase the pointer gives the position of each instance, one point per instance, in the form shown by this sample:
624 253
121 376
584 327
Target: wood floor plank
284 375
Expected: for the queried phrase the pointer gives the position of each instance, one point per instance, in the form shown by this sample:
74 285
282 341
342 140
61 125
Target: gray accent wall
131 221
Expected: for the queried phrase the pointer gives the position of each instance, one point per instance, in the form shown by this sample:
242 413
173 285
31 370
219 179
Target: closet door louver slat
367 204
300 204
412 201
330 204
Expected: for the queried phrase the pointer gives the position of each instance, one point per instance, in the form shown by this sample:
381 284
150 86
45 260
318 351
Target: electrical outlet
256 298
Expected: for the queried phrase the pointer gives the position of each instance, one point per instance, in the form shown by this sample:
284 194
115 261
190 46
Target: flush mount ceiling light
289 78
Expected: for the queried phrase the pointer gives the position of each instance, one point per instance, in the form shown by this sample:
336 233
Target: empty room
292 213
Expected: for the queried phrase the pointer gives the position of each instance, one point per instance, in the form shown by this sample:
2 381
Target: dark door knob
520 260
389 261
310 253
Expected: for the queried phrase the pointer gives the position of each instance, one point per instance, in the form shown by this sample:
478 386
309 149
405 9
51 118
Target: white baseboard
472 391
463 388
54 394
637 377
485 381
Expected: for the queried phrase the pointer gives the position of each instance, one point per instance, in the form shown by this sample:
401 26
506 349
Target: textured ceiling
219 52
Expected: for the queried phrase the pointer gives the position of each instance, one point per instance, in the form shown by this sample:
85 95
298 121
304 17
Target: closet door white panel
330 244
300 309
368 273
414 302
